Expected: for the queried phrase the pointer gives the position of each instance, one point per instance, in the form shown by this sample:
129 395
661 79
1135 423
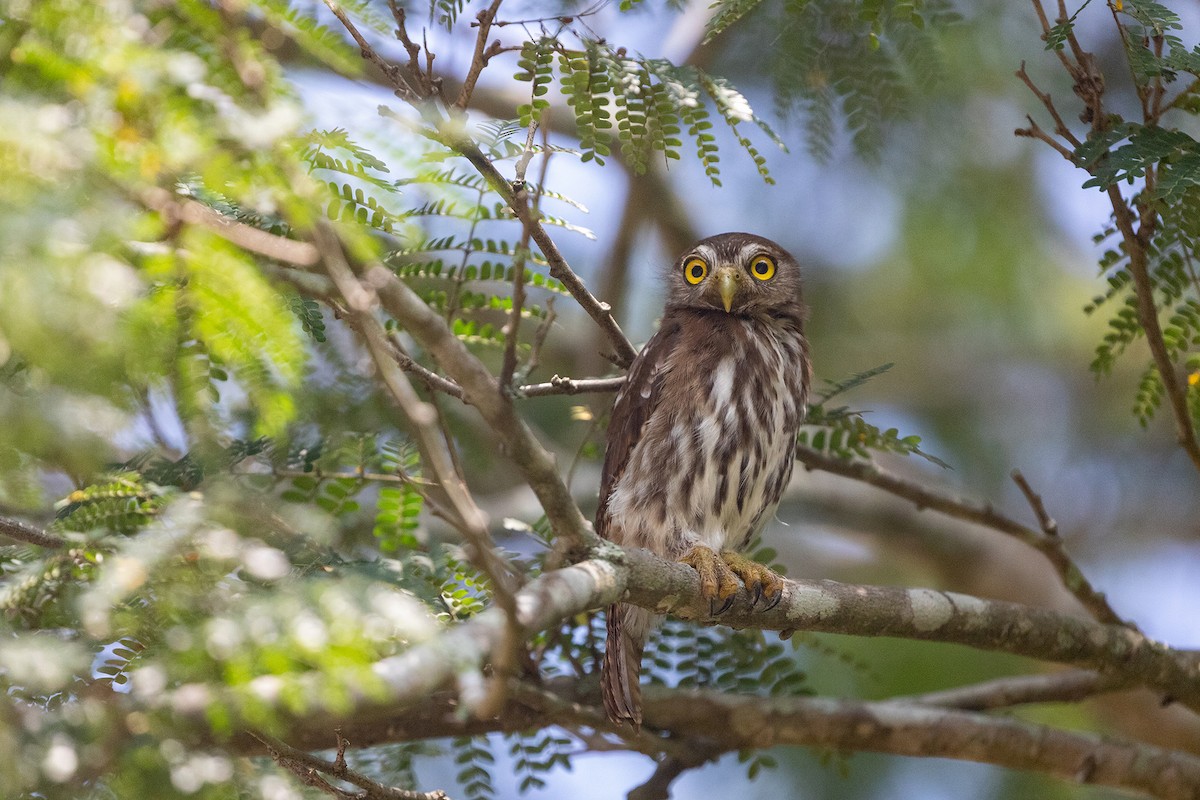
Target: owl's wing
634 405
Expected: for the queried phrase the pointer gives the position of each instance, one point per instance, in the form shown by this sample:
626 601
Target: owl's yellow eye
763 268
694 270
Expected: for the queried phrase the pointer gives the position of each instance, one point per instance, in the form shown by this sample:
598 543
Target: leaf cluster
1162 163
843 65
637 105
846 434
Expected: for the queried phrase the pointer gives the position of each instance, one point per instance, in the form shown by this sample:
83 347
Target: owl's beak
728 281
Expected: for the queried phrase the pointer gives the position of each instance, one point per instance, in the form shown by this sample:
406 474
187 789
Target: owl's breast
716 454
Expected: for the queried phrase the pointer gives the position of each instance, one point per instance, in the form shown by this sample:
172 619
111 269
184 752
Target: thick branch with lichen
640 577
411 683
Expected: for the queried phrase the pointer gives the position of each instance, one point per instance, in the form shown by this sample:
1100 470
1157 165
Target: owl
702 435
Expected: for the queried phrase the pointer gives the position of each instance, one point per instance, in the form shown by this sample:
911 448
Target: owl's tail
628 628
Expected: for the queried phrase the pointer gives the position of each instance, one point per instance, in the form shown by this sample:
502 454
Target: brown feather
622 663
632 409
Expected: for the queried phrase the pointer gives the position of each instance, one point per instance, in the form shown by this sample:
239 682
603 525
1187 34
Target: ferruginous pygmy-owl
703 434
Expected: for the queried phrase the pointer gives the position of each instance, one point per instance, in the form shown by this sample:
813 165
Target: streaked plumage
702 436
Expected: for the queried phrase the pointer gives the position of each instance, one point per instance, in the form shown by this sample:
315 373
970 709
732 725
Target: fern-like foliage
1163 163
473 758
743 662
845 433
842 63
116 660
123 503
651 103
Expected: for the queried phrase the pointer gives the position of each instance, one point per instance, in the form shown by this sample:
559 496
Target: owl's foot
718 583
762 582
719 573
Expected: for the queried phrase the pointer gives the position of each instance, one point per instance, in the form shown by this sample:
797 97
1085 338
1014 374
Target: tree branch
24 532
701 724
1136 244
482 390
905 729
642 578
1064 686
303 765
1051 547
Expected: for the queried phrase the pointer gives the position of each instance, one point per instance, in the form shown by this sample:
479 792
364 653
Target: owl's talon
718 583
716 612
719 574
761 582
773 600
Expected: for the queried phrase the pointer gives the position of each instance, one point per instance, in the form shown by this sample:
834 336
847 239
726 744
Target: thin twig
400 83
557 385
176 210
431 379
1064 686
1034 131
24 532
305 766
539 340
512 331
1060 126
923 497
1045 23
483 54
1049 526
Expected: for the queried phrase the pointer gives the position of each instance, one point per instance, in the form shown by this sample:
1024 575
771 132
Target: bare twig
558 385
24 532
1049 526
176 210
1034 131
539 340
509 365
432 380
1060 127
1056 687
402 84
923 497
305 766
423 417
512 331
483 54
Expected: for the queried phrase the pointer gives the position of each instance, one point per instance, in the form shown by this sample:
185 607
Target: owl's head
738 273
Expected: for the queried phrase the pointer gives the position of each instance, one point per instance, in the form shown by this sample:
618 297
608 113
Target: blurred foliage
242 509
